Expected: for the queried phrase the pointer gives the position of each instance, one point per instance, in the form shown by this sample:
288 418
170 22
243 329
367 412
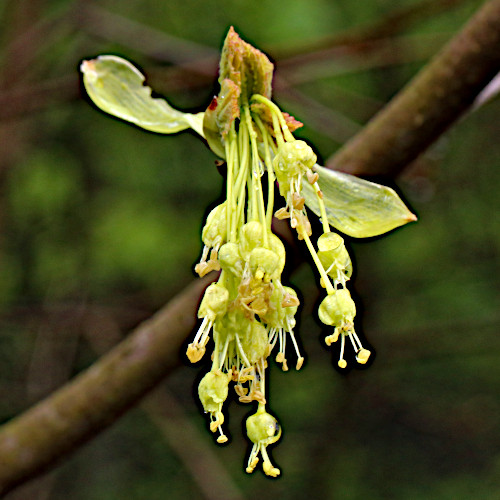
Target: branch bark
430 103
35 440
97 397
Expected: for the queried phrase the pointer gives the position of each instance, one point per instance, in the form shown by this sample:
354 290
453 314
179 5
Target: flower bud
214 232
214 302
276 245
251 236
262 427
337 308
264 263
230 259
333 255
283 307
255 341
213 390
293 159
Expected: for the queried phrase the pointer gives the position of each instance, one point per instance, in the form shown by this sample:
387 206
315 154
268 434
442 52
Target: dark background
100 226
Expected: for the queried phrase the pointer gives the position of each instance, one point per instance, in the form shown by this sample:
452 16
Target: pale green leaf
357 207
117 87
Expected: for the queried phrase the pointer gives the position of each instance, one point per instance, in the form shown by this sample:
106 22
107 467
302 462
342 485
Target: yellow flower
212 391
262 429
338 309
249 311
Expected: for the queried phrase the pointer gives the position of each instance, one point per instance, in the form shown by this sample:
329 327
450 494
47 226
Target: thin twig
154 43
28 98
386 26
348 59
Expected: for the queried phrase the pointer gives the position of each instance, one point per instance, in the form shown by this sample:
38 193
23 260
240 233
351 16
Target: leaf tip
87 66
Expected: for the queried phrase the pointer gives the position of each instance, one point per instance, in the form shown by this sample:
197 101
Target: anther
312 177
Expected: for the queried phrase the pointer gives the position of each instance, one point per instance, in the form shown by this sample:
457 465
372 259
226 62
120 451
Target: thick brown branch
36 439
98 396
430 103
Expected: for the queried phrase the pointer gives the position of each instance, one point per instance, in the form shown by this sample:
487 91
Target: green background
100 226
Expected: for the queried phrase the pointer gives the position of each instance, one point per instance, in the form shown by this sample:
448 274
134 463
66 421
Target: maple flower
338 309
262 429
249 312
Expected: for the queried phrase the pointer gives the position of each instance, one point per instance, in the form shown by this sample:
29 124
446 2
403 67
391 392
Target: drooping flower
249 312
212 391
262 430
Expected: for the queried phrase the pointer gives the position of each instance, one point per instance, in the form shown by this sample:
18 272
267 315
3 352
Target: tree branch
78 411
197 454
430 103
97 397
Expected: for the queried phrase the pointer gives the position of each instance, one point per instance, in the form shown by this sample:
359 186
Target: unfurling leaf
219 116
117 87
246 66
357 207
243 72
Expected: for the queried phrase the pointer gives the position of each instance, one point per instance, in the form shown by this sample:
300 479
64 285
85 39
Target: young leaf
357 207
246 66
220 114
243 72
117 87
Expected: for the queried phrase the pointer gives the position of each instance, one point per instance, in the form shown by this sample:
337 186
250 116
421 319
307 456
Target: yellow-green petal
117 87
355 206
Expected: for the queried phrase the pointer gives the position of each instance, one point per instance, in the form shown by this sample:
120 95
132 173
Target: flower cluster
248 311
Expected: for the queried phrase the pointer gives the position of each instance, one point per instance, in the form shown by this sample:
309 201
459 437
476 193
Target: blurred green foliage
100 218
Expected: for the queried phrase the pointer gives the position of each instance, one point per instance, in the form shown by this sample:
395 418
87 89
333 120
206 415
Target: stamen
312 177
282 213
356 348
216 421
342 362
363 356
241 351
202 268
253 459
240 390
222 358
300 359
268 467
273 338
204 255
202 329
290 301
330 339
356 338
298 201
222 438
